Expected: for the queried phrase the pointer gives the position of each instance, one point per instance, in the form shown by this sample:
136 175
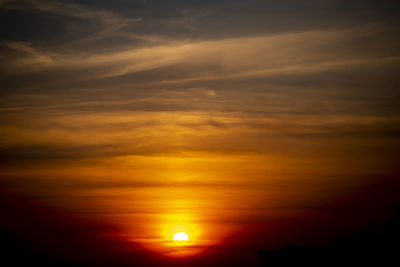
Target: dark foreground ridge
378 246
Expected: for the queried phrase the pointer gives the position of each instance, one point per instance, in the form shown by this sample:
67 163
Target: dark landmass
377 246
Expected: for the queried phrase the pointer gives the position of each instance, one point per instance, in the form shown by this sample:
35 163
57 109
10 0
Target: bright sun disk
180 237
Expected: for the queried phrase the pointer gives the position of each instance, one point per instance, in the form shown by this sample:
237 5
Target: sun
181 236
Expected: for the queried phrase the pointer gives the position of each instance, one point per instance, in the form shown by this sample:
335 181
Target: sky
246 124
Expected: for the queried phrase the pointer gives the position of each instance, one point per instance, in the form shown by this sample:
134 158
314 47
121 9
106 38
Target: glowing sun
180 237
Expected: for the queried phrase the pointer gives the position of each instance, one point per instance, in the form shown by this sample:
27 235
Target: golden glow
180 237
180 227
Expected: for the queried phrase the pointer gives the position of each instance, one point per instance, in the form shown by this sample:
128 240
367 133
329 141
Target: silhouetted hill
378 246
16 251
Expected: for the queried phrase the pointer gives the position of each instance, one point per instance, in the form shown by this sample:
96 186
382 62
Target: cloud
222 19
68 25
187 62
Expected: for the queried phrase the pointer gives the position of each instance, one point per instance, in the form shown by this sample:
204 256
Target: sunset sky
246 124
